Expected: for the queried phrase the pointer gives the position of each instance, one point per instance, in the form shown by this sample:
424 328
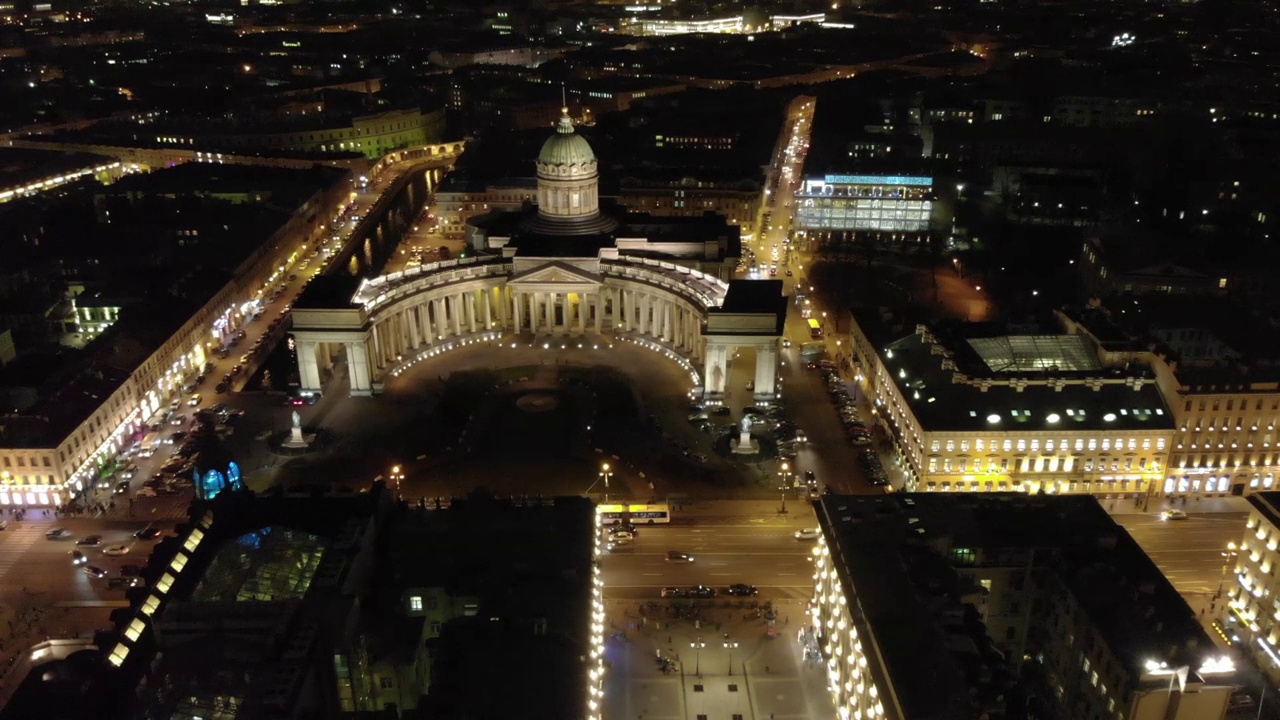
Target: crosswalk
14 542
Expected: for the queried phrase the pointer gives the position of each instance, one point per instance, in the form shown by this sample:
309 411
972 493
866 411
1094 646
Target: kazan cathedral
565 268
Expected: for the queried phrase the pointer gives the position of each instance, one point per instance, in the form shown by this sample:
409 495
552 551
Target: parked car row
870 463
703 592
855 431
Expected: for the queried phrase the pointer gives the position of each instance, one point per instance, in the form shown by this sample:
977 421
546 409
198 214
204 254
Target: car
810 478
194 401
178 420
121 488
131 570
79 558
222 387
115 550
672 592
123 583
237 369
721 411
95 571
145 492
1174 515
808 534
147 533
741 590
702 591
786 343
751 385
90 541
674 556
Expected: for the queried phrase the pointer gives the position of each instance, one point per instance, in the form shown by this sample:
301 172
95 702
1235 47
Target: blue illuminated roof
879 180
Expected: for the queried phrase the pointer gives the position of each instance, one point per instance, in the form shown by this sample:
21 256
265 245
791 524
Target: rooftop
887 550
960 383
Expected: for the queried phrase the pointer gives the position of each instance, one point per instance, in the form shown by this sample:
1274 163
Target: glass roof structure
265 565
1036 353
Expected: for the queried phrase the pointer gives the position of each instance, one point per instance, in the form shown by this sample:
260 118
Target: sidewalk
1193 505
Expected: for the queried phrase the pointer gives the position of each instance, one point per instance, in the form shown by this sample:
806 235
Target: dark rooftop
880 543
1021 400
328 291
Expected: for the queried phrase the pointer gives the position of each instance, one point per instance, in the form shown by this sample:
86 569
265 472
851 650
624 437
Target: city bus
635 514
815 329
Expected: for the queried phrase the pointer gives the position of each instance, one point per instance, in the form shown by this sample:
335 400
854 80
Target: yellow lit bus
815 329
635 514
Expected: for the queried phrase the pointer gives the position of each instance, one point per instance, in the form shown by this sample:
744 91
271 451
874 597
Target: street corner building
342 605
567 269
1249 613
1002 605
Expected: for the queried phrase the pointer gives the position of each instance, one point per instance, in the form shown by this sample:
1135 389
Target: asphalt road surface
756 551
1189 552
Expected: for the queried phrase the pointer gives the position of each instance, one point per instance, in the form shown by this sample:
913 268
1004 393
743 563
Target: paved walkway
721 665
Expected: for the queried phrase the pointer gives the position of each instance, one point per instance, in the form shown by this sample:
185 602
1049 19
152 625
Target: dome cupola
568 185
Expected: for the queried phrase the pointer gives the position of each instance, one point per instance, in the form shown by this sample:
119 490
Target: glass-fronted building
887 203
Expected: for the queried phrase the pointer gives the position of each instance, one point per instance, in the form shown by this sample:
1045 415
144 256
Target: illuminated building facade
991 605
885 203
1250 612
1012 413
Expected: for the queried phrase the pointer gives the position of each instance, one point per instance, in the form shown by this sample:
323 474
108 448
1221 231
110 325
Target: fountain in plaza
297 440
745 444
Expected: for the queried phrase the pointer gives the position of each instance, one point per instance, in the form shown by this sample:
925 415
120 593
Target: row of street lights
699 645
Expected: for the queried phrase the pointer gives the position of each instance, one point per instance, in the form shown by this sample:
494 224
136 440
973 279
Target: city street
756 547
1190 552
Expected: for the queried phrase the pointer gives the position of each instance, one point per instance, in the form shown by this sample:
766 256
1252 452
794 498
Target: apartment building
972 410
1250 612
987 606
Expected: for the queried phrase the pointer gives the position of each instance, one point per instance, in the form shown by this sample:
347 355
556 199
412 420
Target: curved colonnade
419 313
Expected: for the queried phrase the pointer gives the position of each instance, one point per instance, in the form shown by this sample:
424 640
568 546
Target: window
415 603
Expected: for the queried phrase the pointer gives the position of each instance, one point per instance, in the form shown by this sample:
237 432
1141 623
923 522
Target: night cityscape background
428 359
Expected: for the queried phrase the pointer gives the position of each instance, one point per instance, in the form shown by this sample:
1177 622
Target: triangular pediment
555 273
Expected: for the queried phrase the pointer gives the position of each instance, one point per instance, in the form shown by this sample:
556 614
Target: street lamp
605 474
785 473
730 645
397 474
697 646
1229 556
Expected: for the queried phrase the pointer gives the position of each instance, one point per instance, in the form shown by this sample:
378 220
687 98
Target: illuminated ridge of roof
1036 353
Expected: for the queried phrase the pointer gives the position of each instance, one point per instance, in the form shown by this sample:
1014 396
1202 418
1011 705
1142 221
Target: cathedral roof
566 147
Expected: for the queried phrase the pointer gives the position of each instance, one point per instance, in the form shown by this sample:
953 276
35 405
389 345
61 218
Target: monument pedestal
297 439
745 444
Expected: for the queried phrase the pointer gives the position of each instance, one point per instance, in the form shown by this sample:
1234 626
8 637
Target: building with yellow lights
972 409
1249 612
988 606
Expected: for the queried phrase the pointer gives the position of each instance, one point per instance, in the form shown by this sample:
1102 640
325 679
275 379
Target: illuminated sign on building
879 180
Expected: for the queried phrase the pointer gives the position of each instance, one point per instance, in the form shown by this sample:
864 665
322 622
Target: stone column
598 302
455 312
517 299
487 303
469 299
716 371
415 334
308 369
438 331
766 370
667 331
358 367
582 313
615 295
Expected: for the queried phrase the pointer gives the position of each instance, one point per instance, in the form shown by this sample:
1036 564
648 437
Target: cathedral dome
567 149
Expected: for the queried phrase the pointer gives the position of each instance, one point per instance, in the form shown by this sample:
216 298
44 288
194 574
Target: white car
1174 515
115 550
808 534
144 492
